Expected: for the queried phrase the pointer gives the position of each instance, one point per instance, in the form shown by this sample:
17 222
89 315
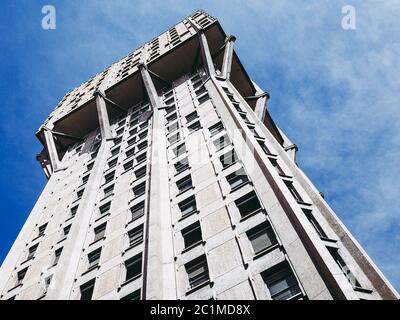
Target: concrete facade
168 179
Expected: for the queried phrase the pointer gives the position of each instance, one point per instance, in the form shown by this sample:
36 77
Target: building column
159 271
104 121
261 103
228 56
206 54
52 151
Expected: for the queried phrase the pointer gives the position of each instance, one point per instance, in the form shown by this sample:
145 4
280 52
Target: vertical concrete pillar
261 103
51 150
228 56
206 54
159 272
104 121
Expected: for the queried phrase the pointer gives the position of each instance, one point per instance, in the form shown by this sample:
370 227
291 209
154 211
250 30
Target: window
57 255
188 206
200 91
195 126
73 211
228 159
128 165
66 231
192 235
174 138
184 183
143 135
172 117
87 290
117 141
120 131
191 116
137 211
262 237
254 131
197 271
342 265
237 179
293 191
42 229
139 189
142 157
248 204
130 152
179 150
94 258
132 132
20 276
170 109
115 151
281 282
173 127
216 128
277 166
46 285
141 146
108 191
133 267
221 142
99 232
109 177
105 208
141 172
31 252
85 179
181 165
132 296
264 147
79 194
135 236
314 222
203 98
89 166
112 163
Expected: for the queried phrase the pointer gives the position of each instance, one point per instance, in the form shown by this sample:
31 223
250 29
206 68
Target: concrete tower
168 179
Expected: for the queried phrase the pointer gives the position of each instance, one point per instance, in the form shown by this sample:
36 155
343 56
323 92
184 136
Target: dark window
42 229
73 211
139 189
20 276
195 126
132 296
120 131
277 166
79 194
293 191
221 142
281 282
89 166
262 237
142 157
314 222
31 252
109 177
132 132
117 141
99 232
87 290
237 179
264 147
141 172
191 116
66 230
128 165
228 158
248 204
197 271
135 236
85 179
57 255
188 206
192 234
112 163
182 165
137 211
133 267
172 117
216 128
130 152
108 191
203 98
342 265
141 146
173 127
94 258
105 208
174 138
184 183
143 135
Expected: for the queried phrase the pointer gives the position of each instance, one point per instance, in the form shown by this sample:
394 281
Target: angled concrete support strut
228 56
51 150
206 54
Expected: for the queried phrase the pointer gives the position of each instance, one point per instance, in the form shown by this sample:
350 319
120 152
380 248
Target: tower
168 179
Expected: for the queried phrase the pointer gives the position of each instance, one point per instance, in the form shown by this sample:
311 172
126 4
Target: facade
168 179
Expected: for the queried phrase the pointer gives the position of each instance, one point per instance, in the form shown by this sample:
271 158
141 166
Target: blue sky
334 92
